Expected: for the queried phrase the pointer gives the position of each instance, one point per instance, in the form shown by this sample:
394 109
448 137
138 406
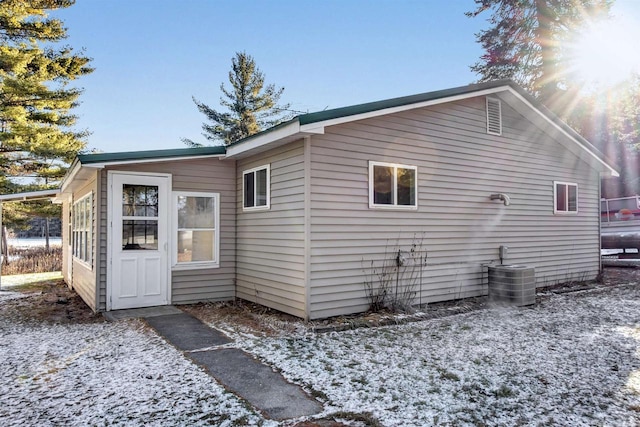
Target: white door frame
110 242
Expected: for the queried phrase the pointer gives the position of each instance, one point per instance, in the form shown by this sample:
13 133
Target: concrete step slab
137 313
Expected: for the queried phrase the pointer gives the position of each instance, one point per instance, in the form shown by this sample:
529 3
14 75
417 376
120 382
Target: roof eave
74 169
30 195
302 125
151 155
101 165
100 161
285 131
306 124
311 127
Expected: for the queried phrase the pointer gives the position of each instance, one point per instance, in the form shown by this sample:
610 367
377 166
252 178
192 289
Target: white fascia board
68 179
102 165
310 128
612 172
29 195
264 139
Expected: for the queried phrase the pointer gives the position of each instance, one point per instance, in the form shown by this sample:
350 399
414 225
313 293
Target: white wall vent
512 284
494 116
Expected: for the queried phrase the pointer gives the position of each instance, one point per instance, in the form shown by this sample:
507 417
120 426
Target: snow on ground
105 374
571 360
30 242
6 296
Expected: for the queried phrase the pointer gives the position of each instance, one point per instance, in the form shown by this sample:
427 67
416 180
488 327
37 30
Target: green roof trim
125 156
368 107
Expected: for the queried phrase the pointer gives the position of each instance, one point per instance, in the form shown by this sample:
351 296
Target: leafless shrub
394 282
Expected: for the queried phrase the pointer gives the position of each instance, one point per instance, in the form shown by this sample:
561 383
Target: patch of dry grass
49 301
33 260
246 317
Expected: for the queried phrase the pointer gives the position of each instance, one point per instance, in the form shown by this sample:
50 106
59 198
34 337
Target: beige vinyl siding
270 243
459 167
203 175
83 276
102 243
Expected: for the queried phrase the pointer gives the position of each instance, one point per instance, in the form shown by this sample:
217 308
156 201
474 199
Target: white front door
139 231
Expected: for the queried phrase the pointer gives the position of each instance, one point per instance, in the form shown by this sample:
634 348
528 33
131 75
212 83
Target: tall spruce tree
611 120
527 41
37 138
251 105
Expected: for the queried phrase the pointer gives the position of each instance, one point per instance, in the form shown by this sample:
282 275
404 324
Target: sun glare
606 53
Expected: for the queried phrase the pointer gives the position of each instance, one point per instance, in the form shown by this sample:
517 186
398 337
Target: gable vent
494 116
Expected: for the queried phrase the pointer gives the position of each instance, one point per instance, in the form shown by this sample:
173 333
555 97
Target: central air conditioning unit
512 284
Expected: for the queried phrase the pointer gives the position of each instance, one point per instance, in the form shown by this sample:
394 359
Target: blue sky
152 56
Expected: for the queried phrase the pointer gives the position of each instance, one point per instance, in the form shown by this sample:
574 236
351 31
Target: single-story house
291 217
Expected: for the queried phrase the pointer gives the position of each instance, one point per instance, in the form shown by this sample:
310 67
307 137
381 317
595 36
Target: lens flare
605 53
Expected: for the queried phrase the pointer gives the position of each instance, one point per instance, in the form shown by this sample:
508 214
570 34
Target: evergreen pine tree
527 38
37 139
251 105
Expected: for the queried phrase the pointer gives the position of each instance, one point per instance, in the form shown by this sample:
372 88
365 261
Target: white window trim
255 189
555 198
489 100
394 206
74 228
194 265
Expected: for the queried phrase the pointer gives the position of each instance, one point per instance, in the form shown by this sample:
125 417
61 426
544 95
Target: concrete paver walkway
239 372
258 383
186 332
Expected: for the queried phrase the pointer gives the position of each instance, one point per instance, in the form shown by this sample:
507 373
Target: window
139 217
81 229
494 116
197 234
255 188
393 185
565 197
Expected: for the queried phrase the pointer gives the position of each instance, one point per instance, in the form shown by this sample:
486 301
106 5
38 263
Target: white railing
620 210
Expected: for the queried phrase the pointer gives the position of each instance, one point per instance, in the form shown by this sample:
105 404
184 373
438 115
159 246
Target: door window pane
139 235
151 200
139 200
